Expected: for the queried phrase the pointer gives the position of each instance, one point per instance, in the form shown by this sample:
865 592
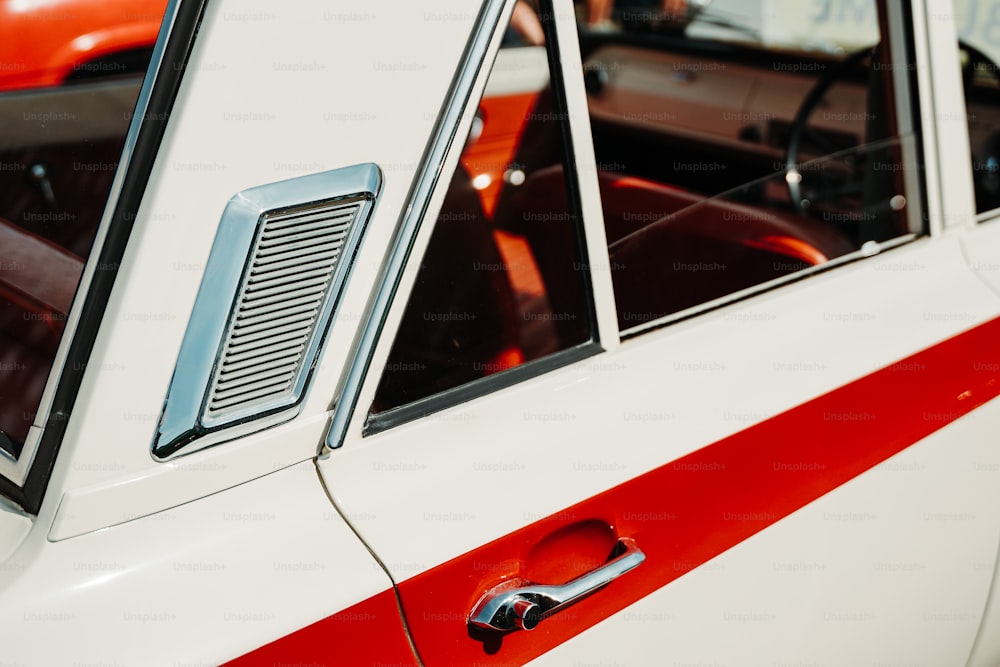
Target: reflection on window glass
68 87
738 143
831 26
501 282
978 24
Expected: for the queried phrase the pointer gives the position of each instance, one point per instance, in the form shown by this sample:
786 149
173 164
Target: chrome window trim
442 138
863 253
185 425
17 471
987 216
906 112
448 398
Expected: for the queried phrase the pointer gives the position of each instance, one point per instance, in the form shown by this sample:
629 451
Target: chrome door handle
519 604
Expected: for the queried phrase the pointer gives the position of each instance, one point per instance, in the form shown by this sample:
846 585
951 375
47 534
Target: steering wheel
793 176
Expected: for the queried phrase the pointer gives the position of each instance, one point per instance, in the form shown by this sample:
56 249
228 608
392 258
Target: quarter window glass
63 119
738 143
501 283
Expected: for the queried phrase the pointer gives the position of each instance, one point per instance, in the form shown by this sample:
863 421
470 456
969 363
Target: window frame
441 157
26 481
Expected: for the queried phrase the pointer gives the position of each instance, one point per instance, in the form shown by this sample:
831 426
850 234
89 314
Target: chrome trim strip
17 472
442 138
987 216
449 398
864 253
906 112
184 422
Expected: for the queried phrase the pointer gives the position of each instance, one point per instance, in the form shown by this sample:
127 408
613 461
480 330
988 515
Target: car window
978 25
502 281
819 27
68 89
739 144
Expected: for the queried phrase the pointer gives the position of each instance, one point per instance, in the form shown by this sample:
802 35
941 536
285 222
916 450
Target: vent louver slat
235 386
256 290
313 246
262 277
302 235
286 282
254 321
258 308
278 293
250 356
237 371
265 390
314 257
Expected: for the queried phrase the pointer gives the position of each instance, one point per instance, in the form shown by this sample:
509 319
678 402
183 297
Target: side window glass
501 283
738 143
68 88
978 26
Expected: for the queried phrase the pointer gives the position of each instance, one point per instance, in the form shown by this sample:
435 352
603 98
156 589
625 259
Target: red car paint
47 42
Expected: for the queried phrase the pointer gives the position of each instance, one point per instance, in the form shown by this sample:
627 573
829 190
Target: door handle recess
519 604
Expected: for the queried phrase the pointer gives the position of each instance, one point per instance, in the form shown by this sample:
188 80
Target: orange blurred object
48 42
488 157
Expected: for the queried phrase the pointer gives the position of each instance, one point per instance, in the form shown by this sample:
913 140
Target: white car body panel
211 555
200 583
207 154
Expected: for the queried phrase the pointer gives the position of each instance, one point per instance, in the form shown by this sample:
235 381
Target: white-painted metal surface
203 558
249 114
197 584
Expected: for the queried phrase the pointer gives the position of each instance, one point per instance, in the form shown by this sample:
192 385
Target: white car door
720 459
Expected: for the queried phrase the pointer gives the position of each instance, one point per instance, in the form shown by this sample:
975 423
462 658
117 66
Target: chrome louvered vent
246 358
279 305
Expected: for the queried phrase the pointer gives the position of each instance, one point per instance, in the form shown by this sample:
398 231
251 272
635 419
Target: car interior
58 157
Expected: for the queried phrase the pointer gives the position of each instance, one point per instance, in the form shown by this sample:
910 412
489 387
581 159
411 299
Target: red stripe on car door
692 509
365 634
681 514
